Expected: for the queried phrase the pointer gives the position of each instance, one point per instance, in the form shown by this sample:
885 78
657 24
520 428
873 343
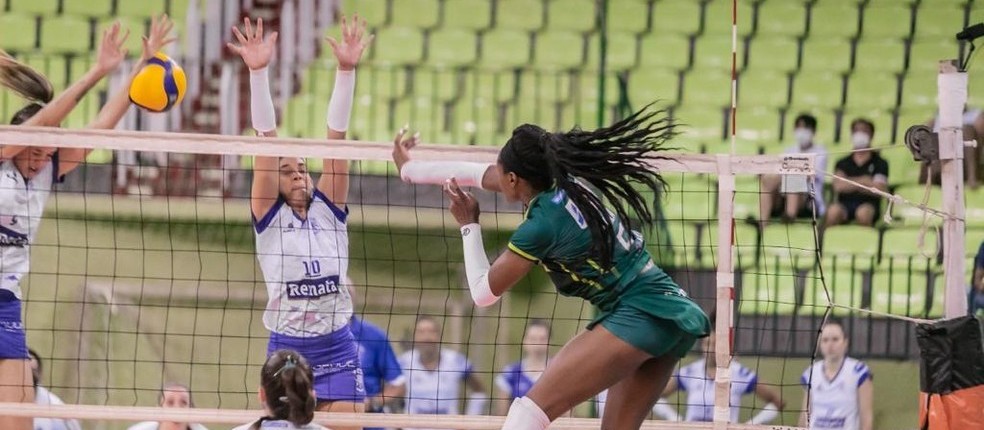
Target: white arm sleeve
261 102
437 172
769 413
663 410
477 266
340 103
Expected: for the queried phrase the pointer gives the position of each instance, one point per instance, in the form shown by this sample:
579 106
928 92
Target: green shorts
657 336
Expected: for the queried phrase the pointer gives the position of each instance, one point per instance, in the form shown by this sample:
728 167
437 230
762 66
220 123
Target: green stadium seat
646 85
418 13
746 245
524 15
545 85
100 156
900 246
558 50
938 22
826 55
762 88
765 293
571 15
78 66
714 52
398 46
975 83
902 169
844 286
621 52
664 51
178 9
505 49
974 206
689 198
789 246
718 18
872 91
899 292
584 114
93 8
759 125
701 121
937 300
747 194
60 35
495 87
34 7
468 14
441 84
383 82
707 88
919 91
535 110
817 89
422 113
681 243
84 112
880 55
883 128
833 20
452 48
53 67
137 26
17 32
973 239
778 54
141 9
781 18
588 88
373 11
632 16
850 247
298 116
319 80
976 12
676 16
887 21
826 123
924 56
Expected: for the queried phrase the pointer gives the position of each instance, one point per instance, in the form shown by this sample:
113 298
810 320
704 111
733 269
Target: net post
725 293
952 87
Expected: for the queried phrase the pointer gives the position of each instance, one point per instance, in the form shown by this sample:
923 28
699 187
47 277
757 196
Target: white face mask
803 136
860 140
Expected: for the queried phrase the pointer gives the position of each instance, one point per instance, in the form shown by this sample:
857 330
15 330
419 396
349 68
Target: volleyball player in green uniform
579 189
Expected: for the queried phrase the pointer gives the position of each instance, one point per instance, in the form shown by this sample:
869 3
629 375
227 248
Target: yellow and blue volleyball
160 84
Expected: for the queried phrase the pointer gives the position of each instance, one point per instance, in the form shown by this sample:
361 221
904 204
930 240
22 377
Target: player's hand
402 146
111 51
463 206
256 51
349 51
160 28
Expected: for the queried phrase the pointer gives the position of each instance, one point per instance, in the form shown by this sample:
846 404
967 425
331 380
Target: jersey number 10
312 268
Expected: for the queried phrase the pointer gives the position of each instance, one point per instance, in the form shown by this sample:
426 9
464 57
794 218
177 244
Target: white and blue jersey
693 380
834 402
435 391
515 381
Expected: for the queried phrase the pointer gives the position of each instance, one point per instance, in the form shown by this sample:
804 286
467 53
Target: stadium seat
888 21
571 15
588 88
789 246
664 51
883 129
519 14
700 121
137 26
140 9
919 91
621 52
778 54
545 85
17 32
900 248
398 46
440 84
781 18
468 14
505 49
649 85
936 296
34 7
746 245
714 53
373 11
632 16
707 88
826 55
762 88
902 169
677 16
492 86
938 22
767 293
60 35
758 125
418 13
423 113
93 8
844 286
558 50
819 90
452 48
974 207
681 243
53 67
718 18
84 112
924 56
850 247
833 20
535 110
899 292
880 55
872 91
747 196
383 82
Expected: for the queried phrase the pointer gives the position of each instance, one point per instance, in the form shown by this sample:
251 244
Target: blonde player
287 393
839 389
27 175
172 395
301 235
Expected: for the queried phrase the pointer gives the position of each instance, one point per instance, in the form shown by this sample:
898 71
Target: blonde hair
27 83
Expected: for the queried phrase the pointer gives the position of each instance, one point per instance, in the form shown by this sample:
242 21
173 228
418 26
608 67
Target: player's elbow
481 292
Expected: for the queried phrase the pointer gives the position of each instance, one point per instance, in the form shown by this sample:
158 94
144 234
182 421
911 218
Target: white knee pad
524 414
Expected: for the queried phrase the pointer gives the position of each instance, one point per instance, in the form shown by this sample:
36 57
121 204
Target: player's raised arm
482 175
257 52
334 181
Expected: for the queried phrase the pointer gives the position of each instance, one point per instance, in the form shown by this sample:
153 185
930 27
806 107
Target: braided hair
607 165
27 83
287 381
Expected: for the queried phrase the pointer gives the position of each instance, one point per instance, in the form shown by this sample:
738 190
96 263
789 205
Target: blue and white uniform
515 381
435 391
834 402
21 208
379 363
308 310
700 389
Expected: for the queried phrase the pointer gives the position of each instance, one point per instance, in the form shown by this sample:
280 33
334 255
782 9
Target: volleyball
160 84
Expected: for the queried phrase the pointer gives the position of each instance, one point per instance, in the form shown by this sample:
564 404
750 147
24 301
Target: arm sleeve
392 371
532 240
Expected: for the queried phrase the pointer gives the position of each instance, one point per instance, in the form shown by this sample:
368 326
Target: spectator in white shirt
796 205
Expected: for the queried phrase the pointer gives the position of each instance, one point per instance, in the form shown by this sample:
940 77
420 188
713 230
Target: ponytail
596 167
288 383
27 83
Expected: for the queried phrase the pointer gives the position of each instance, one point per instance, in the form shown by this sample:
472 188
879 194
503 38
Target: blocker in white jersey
693 379
834 402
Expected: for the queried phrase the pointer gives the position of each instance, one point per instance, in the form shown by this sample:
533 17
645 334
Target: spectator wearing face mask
796 205
864 166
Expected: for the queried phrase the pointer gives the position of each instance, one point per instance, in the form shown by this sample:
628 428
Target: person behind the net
796 205
286 393
580 189
43 396
172 395
435 375
381 370
839 390
864 166
517 378
27 175
301 235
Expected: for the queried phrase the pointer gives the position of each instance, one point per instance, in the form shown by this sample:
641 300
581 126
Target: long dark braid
594 167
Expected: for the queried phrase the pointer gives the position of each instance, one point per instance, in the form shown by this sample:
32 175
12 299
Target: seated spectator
381 371
172 396
864 166
44 397
796 205
518 377
973 128
975 300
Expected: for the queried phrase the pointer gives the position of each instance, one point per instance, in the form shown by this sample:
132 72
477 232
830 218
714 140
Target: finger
169 41
453 184
259 29
239 35
168 26
369 41
451 193
146 44
123 39
399 136
249 29
332 42
234 48
273 38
